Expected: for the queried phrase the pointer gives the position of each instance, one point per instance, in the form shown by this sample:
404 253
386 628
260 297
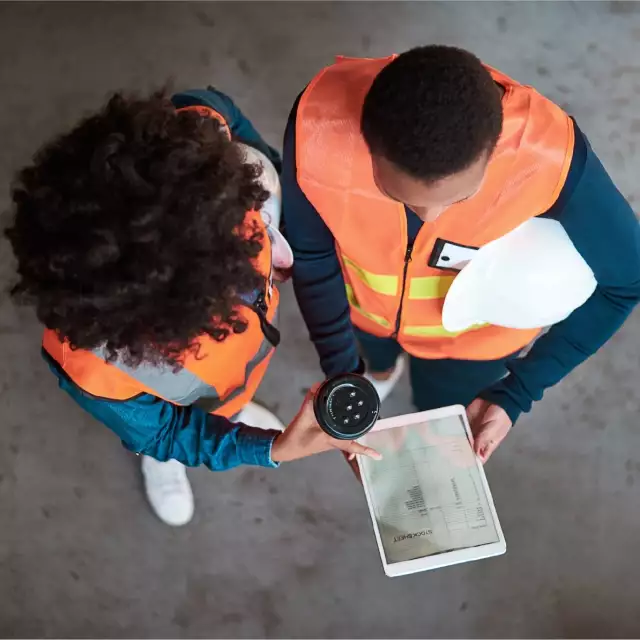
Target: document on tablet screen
427 492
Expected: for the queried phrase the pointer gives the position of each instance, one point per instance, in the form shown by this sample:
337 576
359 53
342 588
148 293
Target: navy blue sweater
594 214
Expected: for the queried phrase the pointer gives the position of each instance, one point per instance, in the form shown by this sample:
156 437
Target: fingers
305 412
483 440
484 446
476 413
490 430
313 389
351 447
282 275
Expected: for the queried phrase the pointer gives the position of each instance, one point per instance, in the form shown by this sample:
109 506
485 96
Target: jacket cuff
338 366
503 395
361 368
254 446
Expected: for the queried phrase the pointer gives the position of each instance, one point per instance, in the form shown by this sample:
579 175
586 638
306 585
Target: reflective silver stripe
181 387
184 387
209 404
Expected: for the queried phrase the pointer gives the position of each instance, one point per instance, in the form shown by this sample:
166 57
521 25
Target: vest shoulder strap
205 103
329 115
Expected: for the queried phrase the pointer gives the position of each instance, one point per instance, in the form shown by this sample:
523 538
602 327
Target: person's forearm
162 430
561 349
317 276
199 438
319 287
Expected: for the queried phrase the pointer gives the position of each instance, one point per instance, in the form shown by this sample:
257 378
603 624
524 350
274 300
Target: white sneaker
168 490
256 415
385 387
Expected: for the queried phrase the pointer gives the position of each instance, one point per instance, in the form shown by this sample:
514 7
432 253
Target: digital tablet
428 497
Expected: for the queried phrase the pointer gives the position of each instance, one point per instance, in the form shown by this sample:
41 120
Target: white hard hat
531 277
282 255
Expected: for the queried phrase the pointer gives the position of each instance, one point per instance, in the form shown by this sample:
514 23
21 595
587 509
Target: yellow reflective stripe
430 332
437 331
354 303
429 287
387 285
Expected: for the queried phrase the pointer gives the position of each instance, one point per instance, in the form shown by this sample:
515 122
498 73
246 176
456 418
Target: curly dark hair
432 112
131 231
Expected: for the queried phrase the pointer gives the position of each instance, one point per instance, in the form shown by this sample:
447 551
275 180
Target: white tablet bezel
446 558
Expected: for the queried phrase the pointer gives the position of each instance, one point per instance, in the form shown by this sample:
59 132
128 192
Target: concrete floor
290 553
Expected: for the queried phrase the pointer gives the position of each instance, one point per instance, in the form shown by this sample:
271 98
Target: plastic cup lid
346 406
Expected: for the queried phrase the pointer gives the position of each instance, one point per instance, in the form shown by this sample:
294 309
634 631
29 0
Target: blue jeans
434 383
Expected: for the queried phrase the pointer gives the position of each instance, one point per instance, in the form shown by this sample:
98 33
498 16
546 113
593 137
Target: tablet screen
427 492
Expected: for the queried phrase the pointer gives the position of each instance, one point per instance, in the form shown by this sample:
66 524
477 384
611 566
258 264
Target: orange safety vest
395 292
221 379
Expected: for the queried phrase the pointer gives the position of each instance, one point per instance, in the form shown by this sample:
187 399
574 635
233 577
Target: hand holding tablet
428 497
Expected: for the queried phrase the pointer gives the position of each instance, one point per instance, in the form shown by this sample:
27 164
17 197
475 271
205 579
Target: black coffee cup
346 406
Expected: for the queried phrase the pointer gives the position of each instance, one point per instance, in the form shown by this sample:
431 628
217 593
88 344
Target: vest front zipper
270 332
407 260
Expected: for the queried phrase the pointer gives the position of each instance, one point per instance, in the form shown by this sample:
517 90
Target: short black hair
130 231
432 112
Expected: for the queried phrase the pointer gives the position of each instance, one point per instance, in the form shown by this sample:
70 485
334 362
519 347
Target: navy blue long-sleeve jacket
592 211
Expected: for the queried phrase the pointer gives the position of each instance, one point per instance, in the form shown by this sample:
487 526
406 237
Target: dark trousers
434 383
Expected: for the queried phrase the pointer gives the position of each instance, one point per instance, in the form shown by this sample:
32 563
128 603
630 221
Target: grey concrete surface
290 553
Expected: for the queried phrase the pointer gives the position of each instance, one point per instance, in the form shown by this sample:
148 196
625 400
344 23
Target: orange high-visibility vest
394 292
221 379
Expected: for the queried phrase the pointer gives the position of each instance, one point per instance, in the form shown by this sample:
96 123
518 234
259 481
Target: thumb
476 410
306 414
475 413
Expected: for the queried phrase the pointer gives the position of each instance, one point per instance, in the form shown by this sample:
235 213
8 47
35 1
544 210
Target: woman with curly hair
140 243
